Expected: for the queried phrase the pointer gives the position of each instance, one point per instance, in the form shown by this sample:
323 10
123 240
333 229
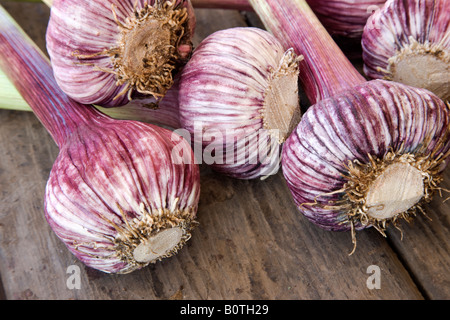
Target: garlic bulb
368 156
107 52
239 100
119 195
409 42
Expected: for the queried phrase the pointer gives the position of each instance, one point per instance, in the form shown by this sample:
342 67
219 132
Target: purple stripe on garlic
409 42
238 86
104 52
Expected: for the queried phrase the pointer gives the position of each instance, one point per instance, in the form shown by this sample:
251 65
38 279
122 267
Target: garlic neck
158 245
281 110
422 66
398 188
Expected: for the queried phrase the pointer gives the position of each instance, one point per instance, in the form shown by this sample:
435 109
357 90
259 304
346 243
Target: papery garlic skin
87 51
345 17
375 119
115 188
239 93
409 42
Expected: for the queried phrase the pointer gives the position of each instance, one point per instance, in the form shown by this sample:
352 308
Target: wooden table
251 243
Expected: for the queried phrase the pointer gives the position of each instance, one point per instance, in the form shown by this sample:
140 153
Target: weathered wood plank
251 243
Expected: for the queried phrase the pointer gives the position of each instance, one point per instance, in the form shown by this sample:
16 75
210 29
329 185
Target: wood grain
251 242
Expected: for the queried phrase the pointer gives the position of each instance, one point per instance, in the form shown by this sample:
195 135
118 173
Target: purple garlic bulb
106 52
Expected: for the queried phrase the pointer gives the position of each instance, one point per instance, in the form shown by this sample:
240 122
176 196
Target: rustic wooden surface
251 243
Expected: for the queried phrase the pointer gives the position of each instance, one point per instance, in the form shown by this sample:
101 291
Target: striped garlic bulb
239 100
368 156
107 52
409 42
118 198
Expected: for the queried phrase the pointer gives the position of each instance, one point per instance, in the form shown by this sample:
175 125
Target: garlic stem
165 113
326 71
11 98
59 114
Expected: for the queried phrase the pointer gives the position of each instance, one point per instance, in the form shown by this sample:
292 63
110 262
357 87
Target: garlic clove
105 52
239 100
408 42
